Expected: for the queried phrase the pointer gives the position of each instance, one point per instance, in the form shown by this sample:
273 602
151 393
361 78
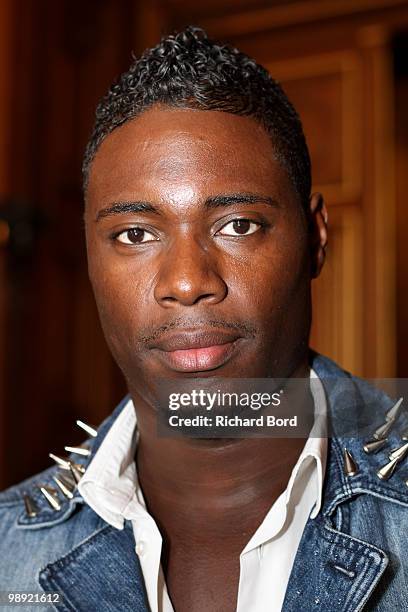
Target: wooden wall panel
325 90
58 366
337 328
401 128
6 43
379 201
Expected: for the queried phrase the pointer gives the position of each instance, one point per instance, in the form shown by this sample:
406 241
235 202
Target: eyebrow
238 198
123 208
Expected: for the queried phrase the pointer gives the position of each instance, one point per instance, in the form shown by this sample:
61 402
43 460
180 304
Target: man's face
199 250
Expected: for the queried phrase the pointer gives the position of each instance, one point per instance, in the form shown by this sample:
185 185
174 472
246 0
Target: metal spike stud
89 430
394 411
77 475
374 445
67 479
399 453
350 466
64 463
387 470
51 498
52 490
78 450
78 466
384 430
30 506
66 490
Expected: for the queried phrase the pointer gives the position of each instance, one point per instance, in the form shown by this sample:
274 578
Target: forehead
204 151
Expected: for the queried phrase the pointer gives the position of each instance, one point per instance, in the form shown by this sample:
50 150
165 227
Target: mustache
149 335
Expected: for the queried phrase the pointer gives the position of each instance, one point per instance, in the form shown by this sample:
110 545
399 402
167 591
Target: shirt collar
110 480
316 444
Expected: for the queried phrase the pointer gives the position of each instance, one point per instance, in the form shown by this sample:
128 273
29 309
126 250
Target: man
202 241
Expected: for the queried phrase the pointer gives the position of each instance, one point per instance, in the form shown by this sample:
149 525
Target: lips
196 350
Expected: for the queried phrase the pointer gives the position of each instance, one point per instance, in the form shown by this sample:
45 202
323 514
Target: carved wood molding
296 13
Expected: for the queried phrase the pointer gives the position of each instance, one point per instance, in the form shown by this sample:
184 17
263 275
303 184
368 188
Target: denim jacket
352 556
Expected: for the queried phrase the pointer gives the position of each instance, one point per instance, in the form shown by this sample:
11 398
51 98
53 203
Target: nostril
189 300
206 296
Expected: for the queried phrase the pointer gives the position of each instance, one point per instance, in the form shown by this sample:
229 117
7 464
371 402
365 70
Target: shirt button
140 548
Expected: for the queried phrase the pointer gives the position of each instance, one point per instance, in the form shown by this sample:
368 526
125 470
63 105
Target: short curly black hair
188 70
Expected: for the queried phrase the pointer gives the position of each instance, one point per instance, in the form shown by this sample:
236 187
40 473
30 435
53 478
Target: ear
318 233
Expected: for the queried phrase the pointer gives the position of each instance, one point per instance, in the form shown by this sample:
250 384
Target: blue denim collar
349 402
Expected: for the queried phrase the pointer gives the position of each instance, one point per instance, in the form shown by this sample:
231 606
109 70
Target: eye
239 227
135 235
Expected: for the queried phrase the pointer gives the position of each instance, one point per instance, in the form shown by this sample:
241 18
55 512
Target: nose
188 275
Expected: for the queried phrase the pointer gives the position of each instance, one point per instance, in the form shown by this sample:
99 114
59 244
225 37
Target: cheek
120 298
120 293
273 278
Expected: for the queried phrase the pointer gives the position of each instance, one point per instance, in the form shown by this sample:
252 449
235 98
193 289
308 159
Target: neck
186 480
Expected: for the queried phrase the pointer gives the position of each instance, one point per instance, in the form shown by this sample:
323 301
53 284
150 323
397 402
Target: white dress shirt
110 486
